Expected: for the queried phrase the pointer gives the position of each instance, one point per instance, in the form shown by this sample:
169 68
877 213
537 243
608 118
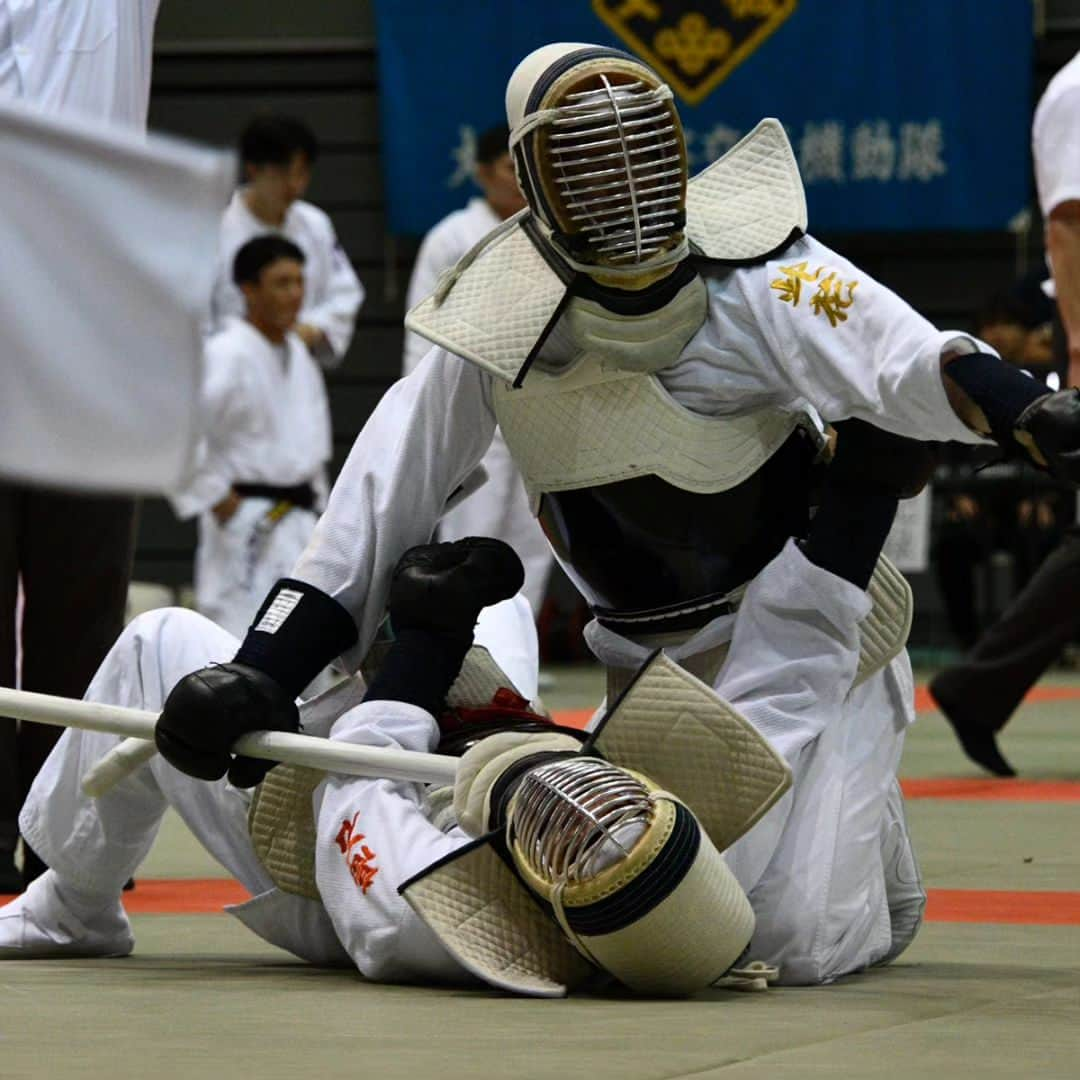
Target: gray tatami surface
201 997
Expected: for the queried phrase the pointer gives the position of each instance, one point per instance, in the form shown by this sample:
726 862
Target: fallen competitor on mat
603 857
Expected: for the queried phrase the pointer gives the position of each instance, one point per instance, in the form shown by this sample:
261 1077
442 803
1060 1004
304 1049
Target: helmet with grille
601 158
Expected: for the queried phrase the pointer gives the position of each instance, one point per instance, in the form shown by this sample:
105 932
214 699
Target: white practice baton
315 753
122 760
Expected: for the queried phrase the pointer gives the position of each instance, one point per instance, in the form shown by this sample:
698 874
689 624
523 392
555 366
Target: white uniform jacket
332 291
807 327
92 57
500 508
266 421
443 246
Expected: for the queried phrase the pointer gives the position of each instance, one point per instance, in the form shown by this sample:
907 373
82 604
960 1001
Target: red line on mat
998 906
975 787
183 896
925 703
207 896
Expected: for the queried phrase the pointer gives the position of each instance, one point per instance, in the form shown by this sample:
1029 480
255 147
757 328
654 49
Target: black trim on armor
565 63
642 301
315 631
545 250
648 890
538 344
754 260
589 749
457 853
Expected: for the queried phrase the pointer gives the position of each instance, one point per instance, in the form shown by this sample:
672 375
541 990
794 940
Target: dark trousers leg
990 682
10 788
74 554
76 565
956 555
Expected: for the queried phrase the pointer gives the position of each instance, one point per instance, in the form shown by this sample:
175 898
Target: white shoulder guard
494 305
747 203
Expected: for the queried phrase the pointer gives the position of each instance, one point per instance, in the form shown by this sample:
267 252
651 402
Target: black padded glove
443 588
436 595
1052 423
210 709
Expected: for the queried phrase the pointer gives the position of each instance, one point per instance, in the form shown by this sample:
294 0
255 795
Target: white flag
107 249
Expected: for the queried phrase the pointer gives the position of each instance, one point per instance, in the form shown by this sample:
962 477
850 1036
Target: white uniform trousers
237 564
829 870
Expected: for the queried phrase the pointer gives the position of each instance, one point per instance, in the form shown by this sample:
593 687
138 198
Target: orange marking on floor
575 718
973 787
207 896
180 896
925 703
999 906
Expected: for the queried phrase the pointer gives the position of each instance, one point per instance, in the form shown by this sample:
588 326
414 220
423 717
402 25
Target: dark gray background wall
217 63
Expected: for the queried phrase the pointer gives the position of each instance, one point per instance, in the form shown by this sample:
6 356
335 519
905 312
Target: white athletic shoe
38 925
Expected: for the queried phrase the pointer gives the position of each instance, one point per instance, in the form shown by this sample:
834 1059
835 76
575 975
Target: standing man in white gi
260 476
499 508
658 354
72 553
980 693
277 154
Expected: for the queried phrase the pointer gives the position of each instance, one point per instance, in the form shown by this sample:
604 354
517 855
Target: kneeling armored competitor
664 356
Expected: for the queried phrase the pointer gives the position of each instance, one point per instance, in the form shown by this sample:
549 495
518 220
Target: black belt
301 495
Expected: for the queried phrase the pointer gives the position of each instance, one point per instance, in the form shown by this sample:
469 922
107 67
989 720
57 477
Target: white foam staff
315 753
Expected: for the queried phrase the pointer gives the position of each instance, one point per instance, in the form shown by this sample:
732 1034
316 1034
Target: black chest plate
651 557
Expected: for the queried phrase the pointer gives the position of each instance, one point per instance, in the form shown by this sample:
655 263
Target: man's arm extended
1063 244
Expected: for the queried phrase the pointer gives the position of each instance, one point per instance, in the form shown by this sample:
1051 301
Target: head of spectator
1017 325
277 154
269 271
495 172
1003 325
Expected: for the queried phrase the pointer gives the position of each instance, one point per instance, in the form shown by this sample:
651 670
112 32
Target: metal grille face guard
609 153
571 815
614 167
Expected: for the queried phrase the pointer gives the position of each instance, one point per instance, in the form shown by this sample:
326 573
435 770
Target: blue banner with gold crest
903 114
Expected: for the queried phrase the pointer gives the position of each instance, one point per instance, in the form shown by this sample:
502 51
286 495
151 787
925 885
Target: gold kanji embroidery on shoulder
790 285
829 300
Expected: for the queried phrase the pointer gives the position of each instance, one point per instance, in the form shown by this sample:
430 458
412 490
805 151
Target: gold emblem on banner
694 44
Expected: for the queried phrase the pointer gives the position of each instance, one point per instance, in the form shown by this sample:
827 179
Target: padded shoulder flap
749 202
681 734
495 304
493 926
